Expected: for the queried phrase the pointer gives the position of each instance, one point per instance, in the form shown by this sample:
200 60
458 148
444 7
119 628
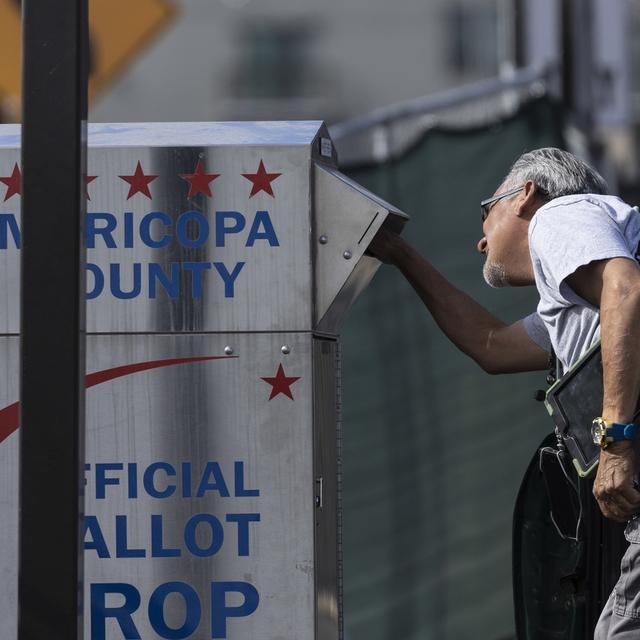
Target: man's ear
528 201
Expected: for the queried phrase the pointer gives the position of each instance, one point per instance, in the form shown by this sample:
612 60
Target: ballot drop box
221 261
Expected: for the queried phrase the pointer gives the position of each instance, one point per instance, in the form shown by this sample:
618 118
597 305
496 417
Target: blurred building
338 59
299 59
591 51
250 59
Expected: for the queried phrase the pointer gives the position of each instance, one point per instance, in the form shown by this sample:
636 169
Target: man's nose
482 245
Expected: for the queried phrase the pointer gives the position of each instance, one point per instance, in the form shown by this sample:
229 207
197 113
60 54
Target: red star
199 181
13 182
280 384
261 180
87 181
139 182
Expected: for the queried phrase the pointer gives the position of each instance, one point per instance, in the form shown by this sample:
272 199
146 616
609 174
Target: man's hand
613 487
386 246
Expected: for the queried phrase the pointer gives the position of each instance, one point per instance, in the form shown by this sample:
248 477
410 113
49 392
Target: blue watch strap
619 431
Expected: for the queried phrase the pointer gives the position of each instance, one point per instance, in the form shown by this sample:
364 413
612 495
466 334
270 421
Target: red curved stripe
9 420
10 416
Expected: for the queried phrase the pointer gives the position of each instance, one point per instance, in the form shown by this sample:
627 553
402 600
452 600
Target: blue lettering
157 548
8 220
157 274
100 612
202 229
197 269
122 549
132 471
220 611
243 520
116 286
128 230
145 229
269 234
212 470
193 610
191 539
148 480
101 479
186 479
123 614
97 541
238 472
106 231
228 278
98 281
222 229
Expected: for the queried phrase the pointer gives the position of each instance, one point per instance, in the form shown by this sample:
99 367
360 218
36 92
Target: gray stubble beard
495 275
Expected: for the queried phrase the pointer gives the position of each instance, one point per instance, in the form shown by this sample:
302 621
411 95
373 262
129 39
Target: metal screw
347 255
286 349
323 239
228 350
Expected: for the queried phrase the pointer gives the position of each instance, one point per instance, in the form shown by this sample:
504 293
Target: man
550 224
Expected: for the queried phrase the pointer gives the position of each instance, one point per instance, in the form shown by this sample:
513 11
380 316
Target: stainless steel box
222 258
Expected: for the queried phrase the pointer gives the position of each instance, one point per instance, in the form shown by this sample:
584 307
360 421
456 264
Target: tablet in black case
573 402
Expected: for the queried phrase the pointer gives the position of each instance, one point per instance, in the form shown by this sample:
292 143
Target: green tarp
434 449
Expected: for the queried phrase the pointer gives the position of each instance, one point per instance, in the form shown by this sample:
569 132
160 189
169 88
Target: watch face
597 431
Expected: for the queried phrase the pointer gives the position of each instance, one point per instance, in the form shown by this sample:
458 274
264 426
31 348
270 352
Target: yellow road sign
118 30
10 53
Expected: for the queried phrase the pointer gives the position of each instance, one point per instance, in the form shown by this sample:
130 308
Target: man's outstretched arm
494 345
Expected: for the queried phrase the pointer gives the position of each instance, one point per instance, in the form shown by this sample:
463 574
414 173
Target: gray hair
556 173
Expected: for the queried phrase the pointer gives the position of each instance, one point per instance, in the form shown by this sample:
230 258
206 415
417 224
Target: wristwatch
604 434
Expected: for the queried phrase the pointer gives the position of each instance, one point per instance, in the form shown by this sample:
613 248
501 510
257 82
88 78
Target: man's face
502 244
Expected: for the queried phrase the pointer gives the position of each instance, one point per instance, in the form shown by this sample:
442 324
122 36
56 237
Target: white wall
367 53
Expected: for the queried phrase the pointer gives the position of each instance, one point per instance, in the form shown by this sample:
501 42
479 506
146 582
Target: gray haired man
550 224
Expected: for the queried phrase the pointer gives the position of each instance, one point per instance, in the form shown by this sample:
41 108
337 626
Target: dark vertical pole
520 33
52 308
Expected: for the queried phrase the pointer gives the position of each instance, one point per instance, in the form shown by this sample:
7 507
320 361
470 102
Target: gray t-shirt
565 234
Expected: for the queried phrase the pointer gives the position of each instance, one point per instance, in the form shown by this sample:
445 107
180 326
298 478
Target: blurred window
472 37
273 61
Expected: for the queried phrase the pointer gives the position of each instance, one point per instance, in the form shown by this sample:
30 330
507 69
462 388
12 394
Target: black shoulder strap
552 374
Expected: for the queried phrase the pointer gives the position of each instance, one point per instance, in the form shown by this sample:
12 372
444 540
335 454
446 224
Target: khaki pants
620 618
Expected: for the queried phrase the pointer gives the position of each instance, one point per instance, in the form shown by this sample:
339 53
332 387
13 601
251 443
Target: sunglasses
485 205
